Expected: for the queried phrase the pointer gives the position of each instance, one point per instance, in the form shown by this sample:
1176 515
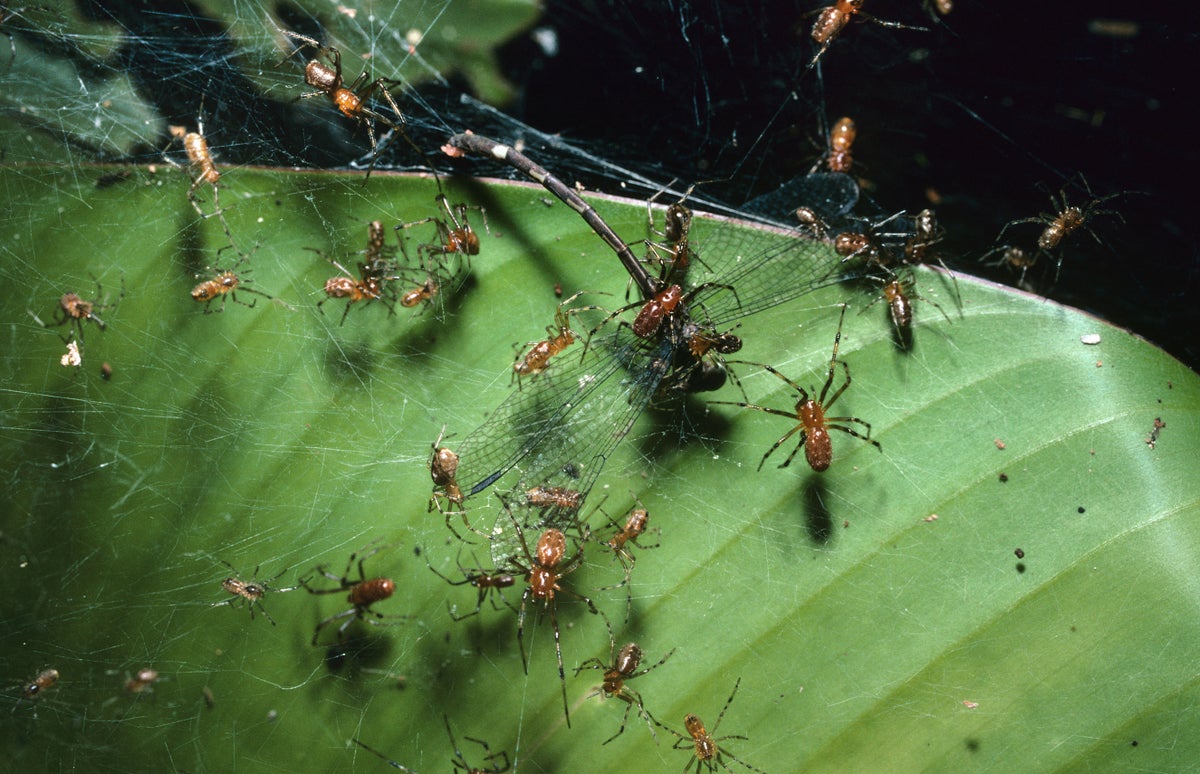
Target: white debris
1090 338
72 358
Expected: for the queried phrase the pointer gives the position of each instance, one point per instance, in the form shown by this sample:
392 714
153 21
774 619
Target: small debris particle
1099 363
210 701
272 716
1150 439
1090 338
1020 567
846 524
931 517
1020 553
1082 509
970 704
106 370
1003 478
1133 743
558 289
72 357
1000 444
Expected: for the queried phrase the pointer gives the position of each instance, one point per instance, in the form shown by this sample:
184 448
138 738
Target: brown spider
537 358
485 582
841 141
899 291
224 284
362 594
350 100
369 286
635 527
459 240
832 19
74 310
544 568
250 594
814 425
1066 220
704 743
623 667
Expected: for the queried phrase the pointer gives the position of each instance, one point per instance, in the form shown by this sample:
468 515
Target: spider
224 284
543 569
841 141
814 425
250 594
142 683
500 761
898 292
350 100
537 358
623 667
674 254
363 594
1012 258
74 310
834 18
1067 219
635 527
369 286
704 743
459 240
484 582
927 232
195 145
44 681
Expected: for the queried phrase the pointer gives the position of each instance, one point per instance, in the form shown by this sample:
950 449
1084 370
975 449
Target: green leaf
866 633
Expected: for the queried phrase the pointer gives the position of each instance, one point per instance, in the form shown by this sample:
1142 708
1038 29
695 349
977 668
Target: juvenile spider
620 670
362 594
832 19
485 582
455 237
841 142
635 527
350 100
224 284
537 358
369 286
543 569
195 145
42 682
142 683
704 742
1012 258
899 291
1066 220
814 425
250 594
74 310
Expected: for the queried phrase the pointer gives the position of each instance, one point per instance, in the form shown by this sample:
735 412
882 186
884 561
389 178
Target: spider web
276 440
